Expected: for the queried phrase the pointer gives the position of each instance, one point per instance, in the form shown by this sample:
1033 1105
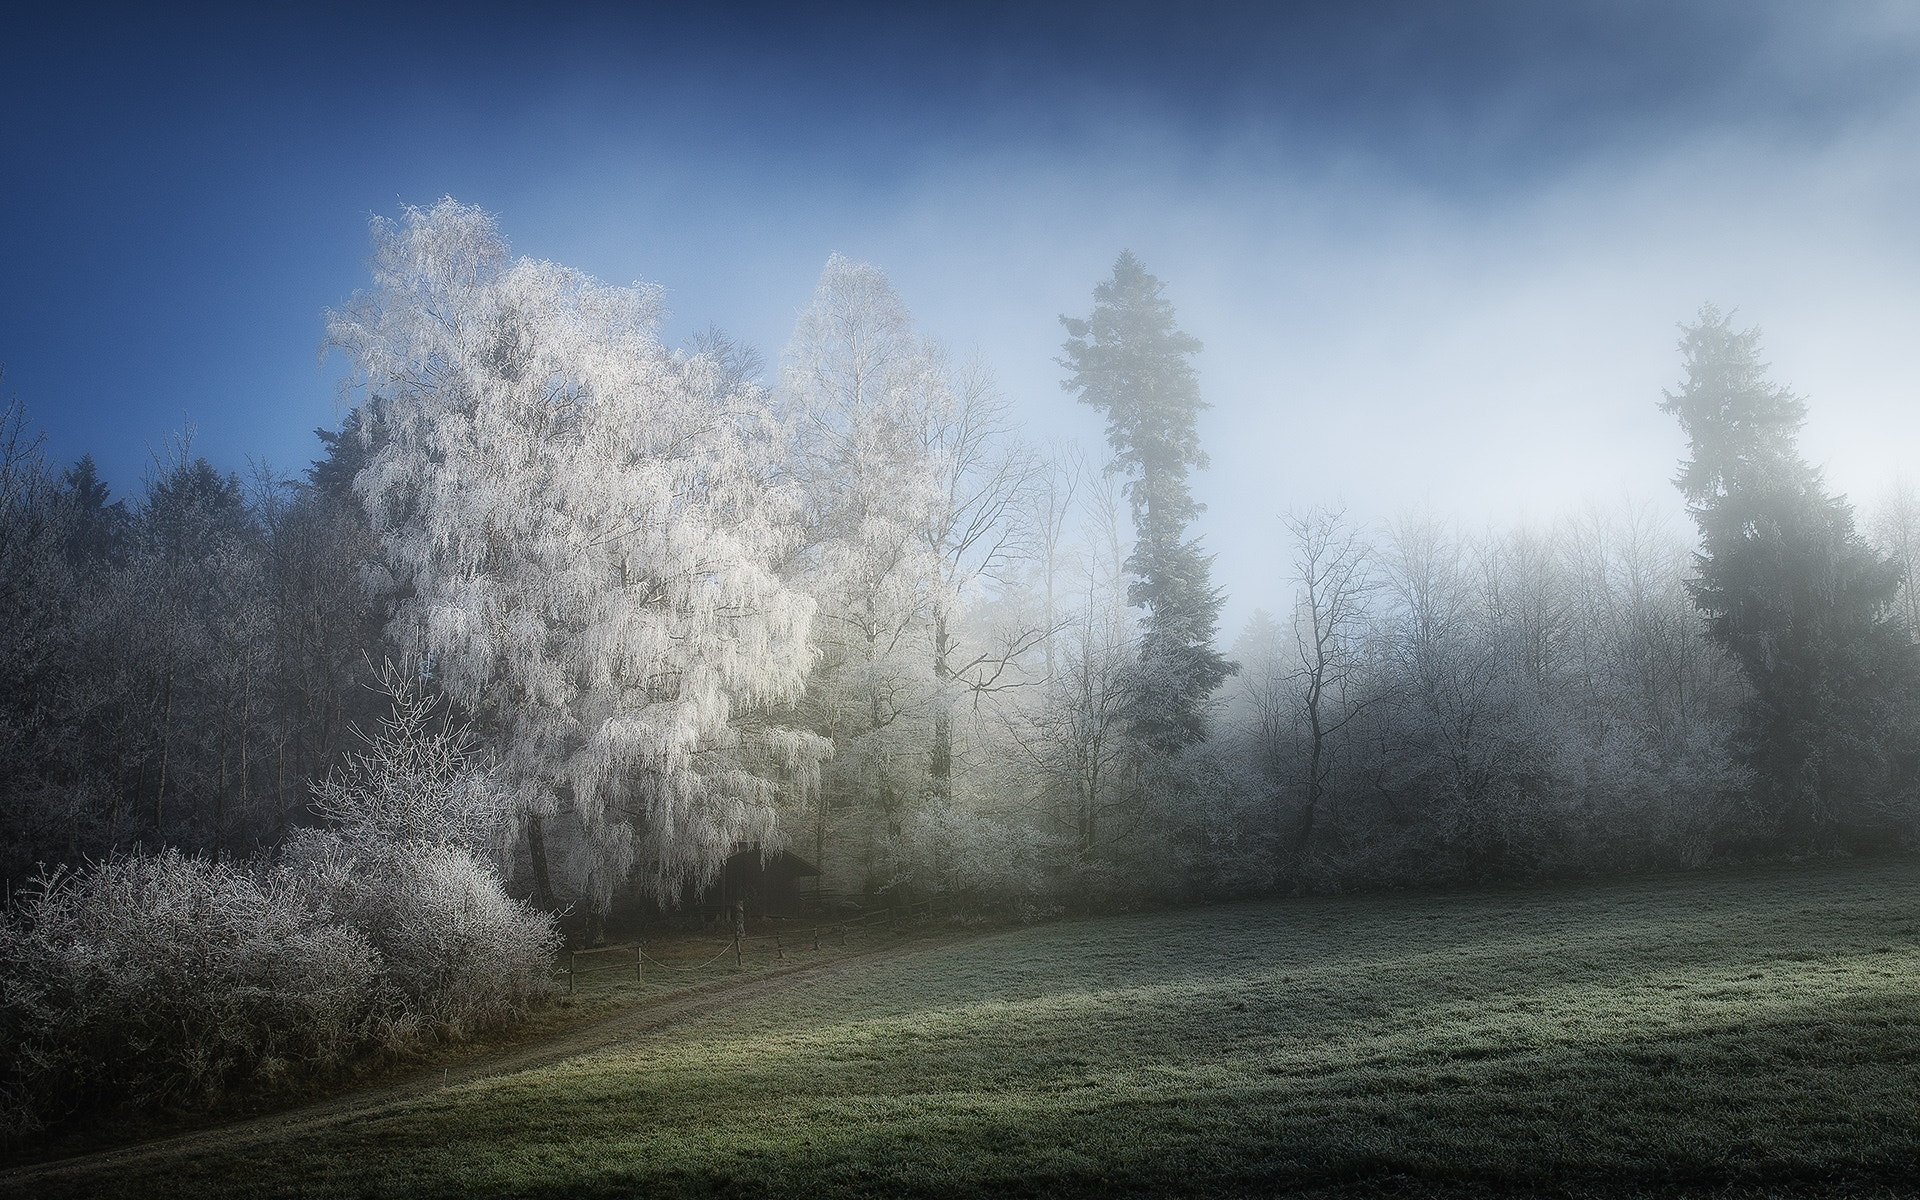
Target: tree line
695 605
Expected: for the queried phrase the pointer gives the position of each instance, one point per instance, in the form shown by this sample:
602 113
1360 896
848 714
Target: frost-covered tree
1057 482
37 750
418 778
1072 739
1333 571
1804 604
976 532
1078 738
1131 361
1442 736
96 525
917 496
329 612
194 592
1896 530
1259 702
585 528
1647 703
857 382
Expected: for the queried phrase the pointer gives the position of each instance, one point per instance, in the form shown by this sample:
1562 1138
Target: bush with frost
456 952
165 980
168 981
416 822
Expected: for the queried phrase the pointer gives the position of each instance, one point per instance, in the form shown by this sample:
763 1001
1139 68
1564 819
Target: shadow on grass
1747 1037
1755 1104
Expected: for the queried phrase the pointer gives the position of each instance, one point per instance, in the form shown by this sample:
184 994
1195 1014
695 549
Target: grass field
1756 1032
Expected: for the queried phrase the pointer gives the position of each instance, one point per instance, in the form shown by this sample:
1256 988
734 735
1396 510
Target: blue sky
1436 251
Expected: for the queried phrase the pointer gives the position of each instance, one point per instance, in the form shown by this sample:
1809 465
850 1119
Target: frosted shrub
166 980
414 822
457 953
455 943
420 778
978 858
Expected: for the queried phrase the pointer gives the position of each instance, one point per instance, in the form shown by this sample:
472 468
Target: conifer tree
1802 602
1130 360
96 525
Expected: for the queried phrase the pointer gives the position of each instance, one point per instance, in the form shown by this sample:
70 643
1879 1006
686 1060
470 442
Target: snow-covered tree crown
585 526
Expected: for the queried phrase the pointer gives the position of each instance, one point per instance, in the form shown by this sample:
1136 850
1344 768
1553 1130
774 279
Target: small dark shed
770 884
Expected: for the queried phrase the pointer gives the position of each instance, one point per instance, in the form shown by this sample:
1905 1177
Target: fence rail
808 934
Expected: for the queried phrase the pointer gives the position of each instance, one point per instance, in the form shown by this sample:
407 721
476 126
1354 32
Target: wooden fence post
569 972
639 962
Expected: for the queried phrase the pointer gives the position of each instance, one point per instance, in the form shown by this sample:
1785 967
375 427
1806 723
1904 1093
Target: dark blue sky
185 193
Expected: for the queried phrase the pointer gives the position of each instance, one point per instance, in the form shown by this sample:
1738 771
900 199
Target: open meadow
1755 1031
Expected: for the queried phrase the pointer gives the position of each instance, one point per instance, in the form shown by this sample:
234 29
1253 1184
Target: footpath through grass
599 997
1739 1032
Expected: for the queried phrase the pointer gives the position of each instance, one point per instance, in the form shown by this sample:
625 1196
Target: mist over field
1348 572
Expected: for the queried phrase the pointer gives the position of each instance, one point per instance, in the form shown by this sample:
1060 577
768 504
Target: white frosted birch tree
854 377
585 528
918 502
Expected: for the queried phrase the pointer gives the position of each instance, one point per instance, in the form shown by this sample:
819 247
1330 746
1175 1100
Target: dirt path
633 1024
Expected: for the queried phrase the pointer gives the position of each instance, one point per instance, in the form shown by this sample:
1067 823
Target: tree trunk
166 753
941 758
1088 813
537 856
246 761
220 796
819 848
1316 749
